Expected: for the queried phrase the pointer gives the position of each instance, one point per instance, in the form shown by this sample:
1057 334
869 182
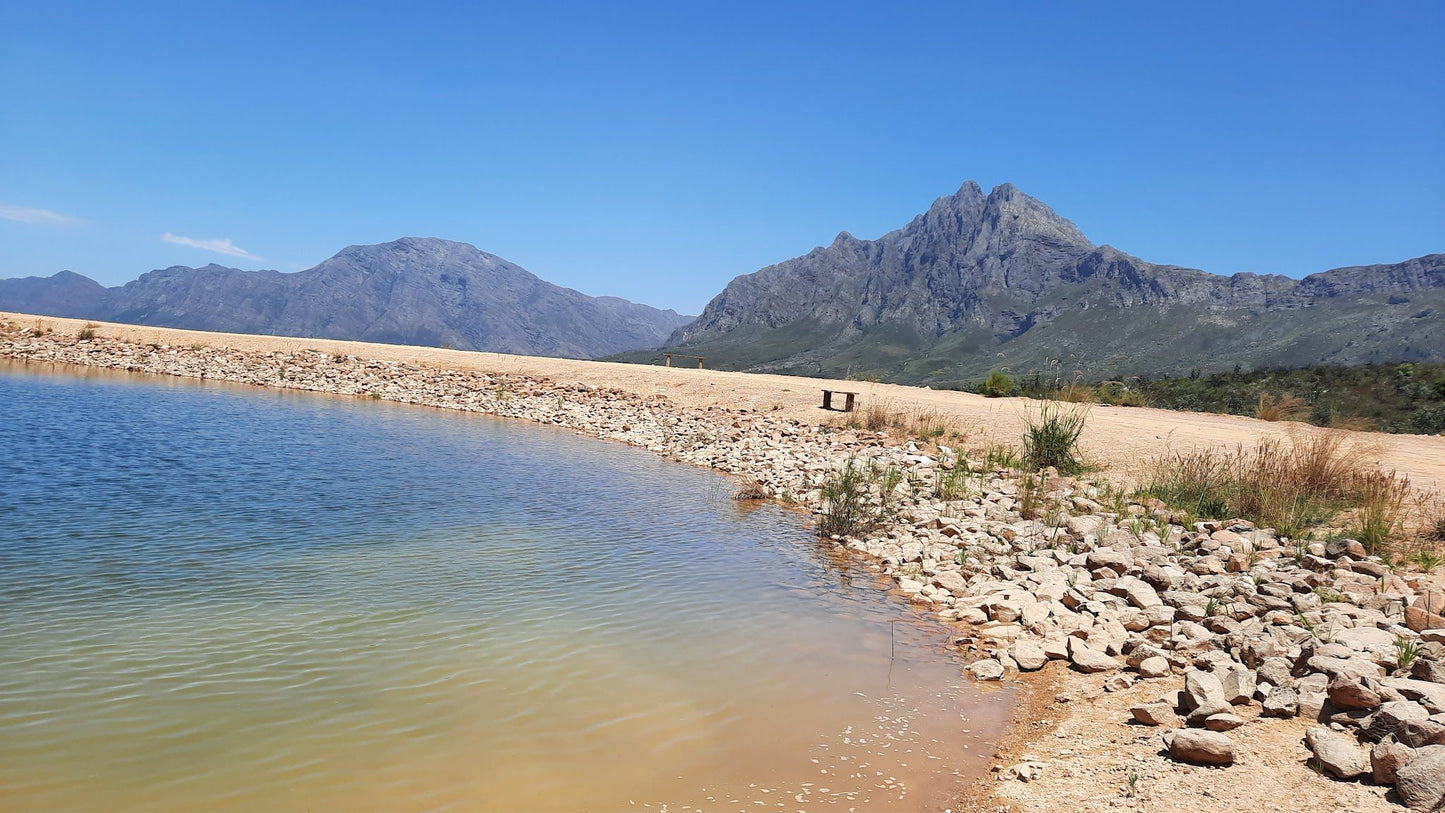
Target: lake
217 597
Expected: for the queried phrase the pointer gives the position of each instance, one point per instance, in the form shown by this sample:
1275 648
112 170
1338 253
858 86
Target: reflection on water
224 598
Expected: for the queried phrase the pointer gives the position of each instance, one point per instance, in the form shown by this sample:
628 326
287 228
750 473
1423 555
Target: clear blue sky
654 151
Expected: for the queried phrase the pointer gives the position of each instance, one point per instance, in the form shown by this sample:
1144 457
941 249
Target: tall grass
1380 509
1284 407
922 423
1076 394
858 498
952 484
1290 484
1051 437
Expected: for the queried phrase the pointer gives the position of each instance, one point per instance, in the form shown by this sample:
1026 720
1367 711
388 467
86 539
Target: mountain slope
1001 280
409 291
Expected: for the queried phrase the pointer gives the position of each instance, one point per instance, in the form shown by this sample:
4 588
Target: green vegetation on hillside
1403 398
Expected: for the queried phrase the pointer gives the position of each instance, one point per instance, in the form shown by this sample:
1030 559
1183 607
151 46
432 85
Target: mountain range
978 282
421 291
999 280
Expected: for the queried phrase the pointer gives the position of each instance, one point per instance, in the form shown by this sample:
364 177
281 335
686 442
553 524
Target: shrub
858 498
1051 437
1427 560
1117 393
877 416
998 384
87 333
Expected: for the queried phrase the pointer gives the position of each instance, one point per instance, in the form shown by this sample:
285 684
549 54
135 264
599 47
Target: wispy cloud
220 246
37 217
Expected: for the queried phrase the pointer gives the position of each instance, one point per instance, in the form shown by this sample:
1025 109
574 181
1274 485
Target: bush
858 498
1117 393
1051 437
998 384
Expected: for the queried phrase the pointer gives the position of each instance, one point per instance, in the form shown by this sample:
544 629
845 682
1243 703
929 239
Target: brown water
223 598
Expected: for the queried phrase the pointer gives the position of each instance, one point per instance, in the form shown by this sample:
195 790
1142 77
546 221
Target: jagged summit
979 281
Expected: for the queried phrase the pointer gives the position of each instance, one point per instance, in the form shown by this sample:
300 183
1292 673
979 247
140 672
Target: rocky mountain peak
1001 279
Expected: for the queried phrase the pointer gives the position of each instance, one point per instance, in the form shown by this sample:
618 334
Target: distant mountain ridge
421 291
1001 280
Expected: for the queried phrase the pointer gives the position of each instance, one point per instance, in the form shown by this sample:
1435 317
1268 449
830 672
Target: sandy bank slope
1125 437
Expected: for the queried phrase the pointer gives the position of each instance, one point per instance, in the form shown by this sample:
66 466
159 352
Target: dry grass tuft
1076 394
918 423
1291 485
1284 407
752 490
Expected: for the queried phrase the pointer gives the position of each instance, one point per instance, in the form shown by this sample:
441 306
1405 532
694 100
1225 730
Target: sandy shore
1068 607
1122 438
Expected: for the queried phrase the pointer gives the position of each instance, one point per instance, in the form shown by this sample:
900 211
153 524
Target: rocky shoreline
1222 631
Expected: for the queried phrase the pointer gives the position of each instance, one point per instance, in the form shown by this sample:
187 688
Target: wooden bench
669 356
847 401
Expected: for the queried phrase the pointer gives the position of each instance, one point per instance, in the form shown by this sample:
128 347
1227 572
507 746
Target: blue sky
654 151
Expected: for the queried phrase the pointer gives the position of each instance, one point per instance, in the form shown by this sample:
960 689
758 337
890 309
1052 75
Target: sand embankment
1125 438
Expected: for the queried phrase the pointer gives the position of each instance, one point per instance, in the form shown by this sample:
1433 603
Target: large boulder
1386 760
1421 734
1282 701
1238 683
1203 695
1118 561
1154 667
1430 670
1430 695
1427 612
952 581
1276 672
1223 722
1029 655
1351 692
1160 712
1421 784
1086 659
1138 592
1336 754
986 669
1390 717
1200 747
1367 639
